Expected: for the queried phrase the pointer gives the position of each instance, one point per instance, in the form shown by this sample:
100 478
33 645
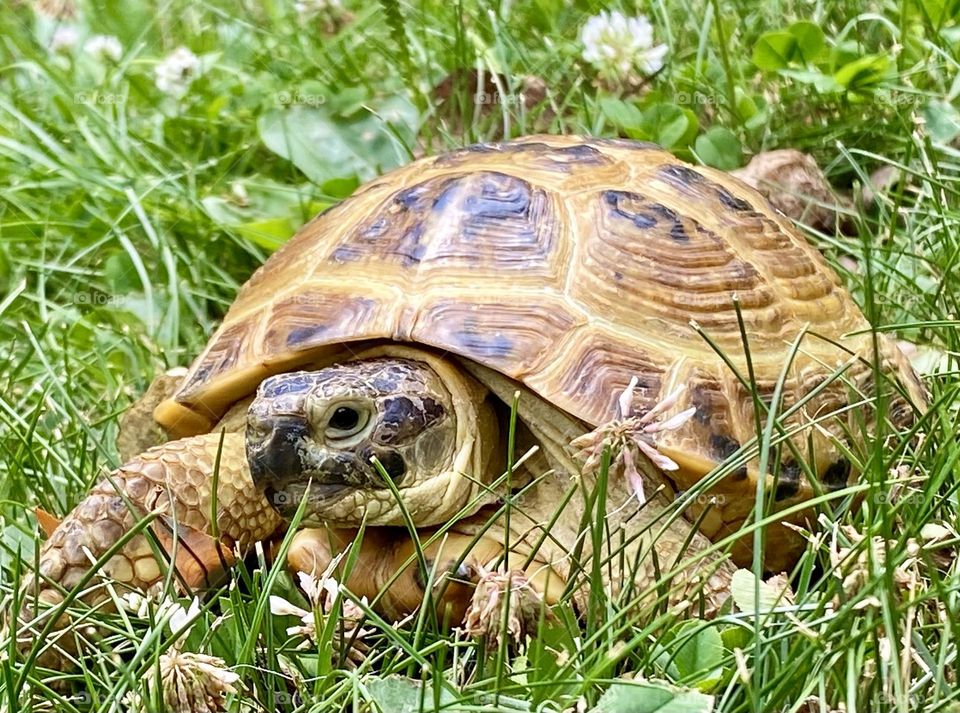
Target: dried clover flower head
195 683
851 562
189 683
56 9
487 608
631 436
322 594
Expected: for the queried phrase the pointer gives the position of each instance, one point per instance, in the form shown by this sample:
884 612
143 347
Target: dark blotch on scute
788 483
501 197
700 397
723 446
837 474
614 199
311 333
731 201
651 215
628 144
677 231
479 342
683 177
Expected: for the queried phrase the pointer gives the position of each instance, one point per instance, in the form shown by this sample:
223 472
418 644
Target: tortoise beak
274 452
286 467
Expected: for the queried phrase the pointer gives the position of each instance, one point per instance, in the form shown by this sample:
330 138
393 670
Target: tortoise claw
200 559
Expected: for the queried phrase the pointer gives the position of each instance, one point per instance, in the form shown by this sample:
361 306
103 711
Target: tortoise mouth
286 499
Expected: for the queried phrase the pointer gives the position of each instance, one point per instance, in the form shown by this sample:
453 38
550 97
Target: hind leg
138 429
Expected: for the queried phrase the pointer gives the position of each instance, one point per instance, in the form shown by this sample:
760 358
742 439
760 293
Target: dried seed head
484 617
190 683
632 436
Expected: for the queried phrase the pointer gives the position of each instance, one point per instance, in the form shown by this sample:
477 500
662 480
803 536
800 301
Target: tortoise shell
569 264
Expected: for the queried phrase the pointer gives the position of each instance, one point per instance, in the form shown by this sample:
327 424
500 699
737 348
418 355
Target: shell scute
482 219
504 336
545 156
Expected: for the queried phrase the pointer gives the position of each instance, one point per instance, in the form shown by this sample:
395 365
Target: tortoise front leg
173 481
387 569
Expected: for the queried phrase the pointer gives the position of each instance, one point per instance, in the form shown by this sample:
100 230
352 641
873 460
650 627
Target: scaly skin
173 480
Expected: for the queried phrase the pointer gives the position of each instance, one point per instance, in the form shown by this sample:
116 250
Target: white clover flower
309 9
104 47
182 620
137 604
176 73
64 39
617 46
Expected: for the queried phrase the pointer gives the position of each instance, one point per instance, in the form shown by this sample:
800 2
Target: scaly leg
173 480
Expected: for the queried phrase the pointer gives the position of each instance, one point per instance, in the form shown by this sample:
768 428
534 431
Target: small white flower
309 9
137 604
239 195
176 73
104 47
182 620
617 45
64 39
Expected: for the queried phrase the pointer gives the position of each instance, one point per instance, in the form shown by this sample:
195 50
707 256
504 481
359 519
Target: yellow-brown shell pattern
569 264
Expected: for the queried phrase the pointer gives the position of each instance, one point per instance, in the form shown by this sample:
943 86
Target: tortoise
433 349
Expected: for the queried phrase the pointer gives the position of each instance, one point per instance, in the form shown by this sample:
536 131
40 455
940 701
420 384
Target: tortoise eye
346 421
344 418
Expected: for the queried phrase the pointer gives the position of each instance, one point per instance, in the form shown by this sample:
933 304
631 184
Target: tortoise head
333 436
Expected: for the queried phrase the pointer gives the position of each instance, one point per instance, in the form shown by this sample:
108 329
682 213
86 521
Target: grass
129 218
